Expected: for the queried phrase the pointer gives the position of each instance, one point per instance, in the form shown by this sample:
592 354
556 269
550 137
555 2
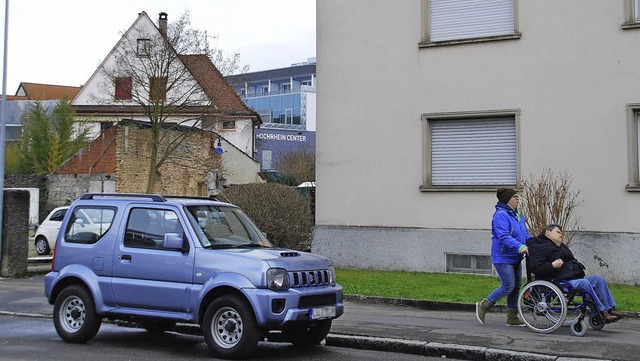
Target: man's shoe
616 313
512 318
482 308
609 318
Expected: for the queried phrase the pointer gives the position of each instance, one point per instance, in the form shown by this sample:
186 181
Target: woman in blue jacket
508 245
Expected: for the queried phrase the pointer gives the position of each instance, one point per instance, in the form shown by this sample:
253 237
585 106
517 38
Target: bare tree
548 199
169 79
299 164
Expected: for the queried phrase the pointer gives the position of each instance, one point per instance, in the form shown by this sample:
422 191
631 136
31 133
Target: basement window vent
469 263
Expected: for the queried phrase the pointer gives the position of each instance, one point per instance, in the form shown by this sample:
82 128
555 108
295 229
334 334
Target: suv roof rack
153 197
210 198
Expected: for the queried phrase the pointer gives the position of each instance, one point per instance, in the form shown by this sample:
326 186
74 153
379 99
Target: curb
443 350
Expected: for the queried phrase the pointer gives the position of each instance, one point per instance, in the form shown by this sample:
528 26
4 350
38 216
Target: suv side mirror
174 241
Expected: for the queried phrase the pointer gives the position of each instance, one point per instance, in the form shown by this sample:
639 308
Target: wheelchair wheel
578 327
542 306
596 322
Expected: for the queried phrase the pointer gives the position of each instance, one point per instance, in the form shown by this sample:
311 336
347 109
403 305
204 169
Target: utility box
15 234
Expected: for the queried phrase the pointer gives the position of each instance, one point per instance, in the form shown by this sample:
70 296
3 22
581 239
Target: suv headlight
332 275
278 279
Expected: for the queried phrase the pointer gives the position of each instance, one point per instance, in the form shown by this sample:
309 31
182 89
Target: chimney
162 23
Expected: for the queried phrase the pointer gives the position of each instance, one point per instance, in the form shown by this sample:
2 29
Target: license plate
322 312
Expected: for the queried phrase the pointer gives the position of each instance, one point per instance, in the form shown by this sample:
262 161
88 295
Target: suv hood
284 258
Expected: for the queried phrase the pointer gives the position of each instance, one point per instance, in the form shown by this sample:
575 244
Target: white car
47 232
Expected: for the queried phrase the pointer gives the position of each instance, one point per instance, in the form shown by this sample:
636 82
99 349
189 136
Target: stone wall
15 234
183 174
64 188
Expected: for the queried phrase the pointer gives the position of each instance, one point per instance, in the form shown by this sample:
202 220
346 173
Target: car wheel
74 315
229 327
42 246
308 335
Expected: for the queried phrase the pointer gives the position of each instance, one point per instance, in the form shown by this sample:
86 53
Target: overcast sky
62 42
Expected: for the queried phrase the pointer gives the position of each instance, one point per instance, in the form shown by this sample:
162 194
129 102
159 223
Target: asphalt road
424 328
27 338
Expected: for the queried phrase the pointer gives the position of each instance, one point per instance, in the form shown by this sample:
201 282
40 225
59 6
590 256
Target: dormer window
144 47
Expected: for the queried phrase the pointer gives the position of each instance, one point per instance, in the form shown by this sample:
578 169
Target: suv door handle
125 257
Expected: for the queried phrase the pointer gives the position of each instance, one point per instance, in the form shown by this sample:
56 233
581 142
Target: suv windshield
224 226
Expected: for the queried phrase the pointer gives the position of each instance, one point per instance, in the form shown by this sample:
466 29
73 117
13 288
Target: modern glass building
285 98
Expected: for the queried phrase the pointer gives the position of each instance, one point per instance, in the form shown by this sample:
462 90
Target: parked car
47 232
163 260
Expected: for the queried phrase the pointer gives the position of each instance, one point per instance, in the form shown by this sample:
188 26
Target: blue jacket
509 235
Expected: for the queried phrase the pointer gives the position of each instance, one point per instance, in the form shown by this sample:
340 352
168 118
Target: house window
267 159
468 263
157 89
14 131
144 47
470 150
229 124
264 89
286 88
266 117
462 21
634 147
123 88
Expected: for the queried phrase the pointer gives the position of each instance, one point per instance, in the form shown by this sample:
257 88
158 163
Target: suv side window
89 224
146 227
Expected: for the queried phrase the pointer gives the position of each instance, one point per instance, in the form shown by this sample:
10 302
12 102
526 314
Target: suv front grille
309 278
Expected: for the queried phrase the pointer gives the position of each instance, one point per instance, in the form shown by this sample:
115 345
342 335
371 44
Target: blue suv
163 260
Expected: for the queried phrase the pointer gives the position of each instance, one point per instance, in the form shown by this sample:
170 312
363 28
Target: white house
112 94
428 106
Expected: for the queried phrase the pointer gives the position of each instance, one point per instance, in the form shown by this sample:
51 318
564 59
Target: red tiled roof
99 156
36 91
214 85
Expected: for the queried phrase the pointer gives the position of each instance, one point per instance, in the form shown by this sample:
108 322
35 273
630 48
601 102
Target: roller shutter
473 151
456 19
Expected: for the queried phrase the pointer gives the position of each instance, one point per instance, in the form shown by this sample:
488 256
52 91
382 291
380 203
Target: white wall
570 76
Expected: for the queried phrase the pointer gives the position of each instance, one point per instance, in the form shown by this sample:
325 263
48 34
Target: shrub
279 210
548 199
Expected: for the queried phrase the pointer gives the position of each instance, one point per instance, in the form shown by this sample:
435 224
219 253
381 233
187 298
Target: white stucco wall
570 76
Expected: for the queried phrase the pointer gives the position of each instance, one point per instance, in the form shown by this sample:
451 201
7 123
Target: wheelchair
545 305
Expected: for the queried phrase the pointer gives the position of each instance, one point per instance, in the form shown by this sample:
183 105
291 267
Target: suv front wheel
229 327
74 315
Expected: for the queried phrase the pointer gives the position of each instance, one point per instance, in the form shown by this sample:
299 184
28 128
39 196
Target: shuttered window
469 19
473 152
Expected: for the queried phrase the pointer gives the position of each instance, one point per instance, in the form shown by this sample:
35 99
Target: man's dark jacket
542 253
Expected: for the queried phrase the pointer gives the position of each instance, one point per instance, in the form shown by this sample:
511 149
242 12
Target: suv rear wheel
229 327
74 315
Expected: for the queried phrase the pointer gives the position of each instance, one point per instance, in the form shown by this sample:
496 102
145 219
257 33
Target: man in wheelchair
550 258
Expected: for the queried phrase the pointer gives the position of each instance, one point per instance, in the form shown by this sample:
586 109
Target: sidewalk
418 327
